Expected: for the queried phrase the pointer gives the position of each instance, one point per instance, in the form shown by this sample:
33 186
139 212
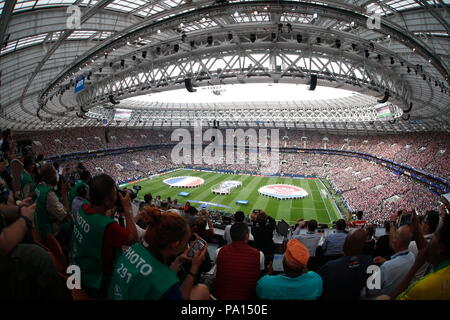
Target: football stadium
319 205
217 150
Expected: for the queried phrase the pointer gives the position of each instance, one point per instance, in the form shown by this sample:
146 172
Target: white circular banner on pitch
283 191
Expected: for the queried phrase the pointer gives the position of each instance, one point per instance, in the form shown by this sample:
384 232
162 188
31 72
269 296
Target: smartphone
405 219
196 247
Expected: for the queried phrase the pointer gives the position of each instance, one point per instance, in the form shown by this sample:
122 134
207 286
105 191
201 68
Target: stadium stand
343 105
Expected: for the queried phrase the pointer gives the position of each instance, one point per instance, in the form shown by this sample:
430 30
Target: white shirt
227 236
392 273
423 269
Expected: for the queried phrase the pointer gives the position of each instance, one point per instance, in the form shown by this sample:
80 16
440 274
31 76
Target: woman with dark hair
143 273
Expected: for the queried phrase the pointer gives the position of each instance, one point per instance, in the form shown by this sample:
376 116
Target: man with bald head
344 277
51 214
392 271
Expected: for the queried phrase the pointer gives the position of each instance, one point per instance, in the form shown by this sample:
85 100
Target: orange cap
296 255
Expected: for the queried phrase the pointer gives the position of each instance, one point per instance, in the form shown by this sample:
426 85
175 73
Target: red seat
37 237
57 251
80 294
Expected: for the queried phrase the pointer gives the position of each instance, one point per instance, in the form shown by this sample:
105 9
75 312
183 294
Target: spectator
144 215
359 223
434 286
8 146
238 266
297 283
311 238
52 215
79 169
263 234
85 178
392 271
82 197
167 236
334 242
148 199
239 216
27 184
428 228
158 201
382 247
369 244
175 204
6 195
299 227
345 277
189 213
199 227
97 236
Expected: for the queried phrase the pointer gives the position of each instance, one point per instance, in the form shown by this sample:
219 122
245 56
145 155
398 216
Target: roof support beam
6 16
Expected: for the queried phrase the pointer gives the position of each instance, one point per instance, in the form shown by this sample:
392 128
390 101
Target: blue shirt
344 278
334 243
310 240
392 273
308 286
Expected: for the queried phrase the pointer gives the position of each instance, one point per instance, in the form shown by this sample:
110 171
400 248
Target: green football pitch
317 205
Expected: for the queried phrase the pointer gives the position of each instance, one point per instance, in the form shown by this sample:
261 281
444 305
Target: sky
246 93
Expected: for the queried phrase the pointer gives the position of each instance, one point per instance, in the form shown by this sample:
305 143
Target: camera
124 192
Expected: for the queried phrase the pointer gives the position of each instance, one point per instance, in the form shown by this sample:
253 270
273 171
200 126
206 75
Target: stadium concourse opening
224 150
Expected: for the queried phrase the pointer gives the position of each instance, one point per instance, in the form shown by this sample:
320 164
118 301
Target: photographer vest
87 245
140 276
42 219
25 179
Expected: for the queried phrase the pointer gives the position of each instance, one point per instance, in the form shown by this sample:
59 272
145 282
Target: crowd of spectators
426 151
76 215
365 186
161 252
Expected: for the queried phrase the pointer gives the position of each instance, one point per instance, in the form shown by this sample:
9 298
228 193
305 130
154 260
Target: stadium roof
125 49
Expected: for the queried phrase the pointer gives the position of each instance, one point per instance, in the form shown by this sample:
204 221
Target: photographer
97 237
263 235
27 184
167 236
51 214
